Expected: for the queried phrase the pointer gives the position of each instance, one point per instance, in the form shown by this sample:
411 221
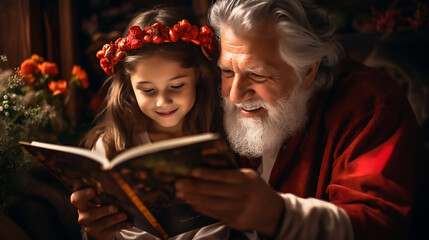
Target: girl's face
165 91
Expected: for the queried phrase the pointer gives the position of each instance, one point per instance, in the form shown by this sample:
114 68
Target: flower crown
112 53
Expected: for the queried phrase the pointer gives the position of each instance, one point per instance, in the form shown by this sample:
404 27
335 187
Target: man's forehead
248 48
233 52
232 43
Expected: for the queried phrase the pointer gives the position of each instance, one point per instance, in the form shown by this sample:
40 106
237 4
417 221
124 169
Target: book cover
140 181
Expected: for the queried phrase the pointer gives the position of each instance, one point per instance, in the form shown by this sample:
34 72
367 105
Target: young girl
157 91
162 86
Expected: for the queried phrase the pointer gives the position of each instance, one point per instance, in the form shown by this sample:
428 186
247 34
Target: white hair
305 34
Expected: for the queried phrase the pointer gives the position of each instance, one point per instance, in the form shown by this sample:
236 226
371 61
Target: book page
75 150
162 146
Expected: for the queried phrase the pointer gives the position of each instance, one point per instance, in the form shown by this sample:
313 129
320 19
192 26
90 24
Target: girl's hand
240 198
99 222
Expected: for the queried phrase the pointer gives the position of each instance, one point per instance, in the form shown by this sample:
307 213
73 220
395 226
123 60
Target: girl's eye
149 90
177 86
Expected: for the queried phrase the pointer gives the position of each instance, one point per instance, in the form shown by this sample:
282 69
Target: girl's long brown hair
121 119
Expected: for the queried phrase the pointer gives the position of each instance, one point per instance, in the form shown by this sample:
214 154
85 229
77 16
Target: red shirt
358 150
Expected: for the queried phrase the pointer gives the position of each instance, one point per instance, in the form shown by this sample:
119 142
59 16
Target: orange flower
49 68
58 87
37 58
29 67
81 75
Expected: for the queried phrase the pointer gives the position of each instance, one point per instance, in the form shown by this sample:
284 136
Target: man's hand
240 198
99 222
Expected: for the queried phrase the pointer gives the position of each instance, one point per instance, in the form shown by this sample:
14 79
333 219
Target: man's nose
241 89
163 99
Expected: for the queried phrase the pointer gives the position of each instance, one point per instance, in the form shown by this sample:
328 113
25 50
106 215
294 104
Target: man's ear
311 73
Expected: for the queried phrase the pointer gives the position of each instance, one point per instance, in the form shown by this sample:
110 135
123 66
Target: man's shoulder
362 81
358 85
361 91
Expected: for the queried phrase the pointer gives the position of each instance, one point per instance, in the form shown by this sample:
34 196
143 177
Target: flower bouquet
32 103
394 19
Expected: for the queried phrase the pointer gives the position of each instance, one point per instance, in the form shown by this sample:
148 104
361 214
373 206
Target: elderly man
327 146
333 144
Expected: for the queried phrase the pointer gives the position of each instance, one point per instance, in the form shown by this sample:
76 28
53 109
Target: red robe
358 150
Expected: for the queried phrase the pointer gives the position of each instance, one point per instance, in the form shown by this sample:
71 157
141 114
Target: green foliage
26 114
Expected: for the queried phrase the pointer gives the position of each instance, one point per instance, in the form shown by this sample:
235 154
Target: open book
140 180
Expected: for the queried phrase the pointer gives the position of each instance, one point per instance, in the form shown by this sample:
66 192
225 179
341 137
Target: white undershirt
264 169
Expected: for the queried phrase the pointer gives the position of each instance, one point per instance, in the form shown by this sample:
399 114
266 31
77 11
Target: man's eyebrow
256 69
220 65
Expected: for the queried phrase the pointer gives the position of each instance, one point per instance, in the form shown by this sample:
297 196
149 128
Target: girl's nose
162 100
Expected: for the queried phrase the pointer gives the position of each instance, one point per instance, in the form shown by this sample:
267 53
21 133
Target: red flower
106 66
37 58
28 67
186 31
118 56
110 51
58 87
157 34
134 38
206 37
49 68
81 75
100 53
109 56
123 44
420 17
173 35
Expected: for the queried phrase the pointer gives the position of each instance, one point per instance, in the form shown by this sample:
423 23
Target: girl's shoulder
99 146
143 138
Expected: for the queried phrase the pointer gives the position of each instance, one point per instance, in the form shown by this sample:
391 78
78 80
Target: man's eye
227 73
177 86
258 77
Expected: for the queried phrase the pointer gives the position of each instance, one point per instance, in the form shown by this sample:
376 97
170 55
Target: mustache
248 104
251 103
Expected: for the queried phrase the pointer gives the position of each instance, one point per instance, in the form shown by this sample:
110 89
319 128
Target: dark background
71 32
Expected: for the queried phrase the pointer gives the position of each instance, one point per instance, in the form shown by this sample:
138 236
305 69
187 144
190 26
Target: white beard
251 137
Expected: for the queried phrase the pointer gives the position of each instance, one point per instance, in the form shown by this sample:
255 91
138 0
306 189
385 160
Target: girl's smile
166 113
